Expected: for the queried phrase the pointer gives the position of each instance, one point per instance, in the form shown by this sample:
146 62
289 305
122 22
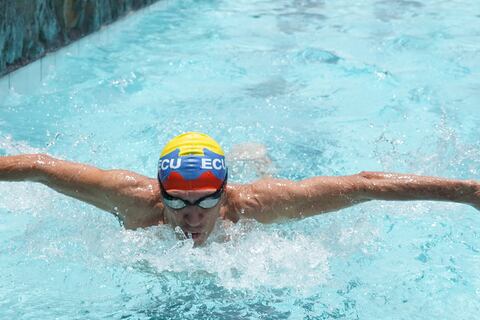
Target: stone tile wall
31 28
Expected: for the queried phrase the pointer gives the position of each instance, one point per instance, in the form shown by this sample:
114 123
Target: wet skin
137 200
196 222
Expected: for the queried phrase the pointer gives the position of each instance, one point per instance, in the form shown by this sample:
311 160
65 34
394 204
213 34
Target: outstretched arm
131 196
269 200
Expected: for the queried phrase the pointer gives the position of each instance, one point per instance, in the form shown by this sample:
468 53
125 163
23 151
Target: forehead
191 193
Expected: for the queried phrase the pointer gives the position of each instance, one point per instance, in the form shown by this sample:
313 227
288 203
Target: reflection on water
387 10
270 88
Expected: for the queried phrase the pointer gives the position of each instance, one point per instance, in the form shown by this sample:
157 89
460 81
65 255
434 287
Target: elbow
37 160
364 183
38 164
370 175
42 158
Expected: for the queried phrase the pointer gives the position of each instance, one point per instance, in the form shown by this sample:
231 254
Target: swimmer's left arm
270 200
405 187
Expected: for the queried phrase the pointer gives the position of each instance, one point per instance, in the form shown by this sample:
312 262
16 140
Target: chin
199 242
200 239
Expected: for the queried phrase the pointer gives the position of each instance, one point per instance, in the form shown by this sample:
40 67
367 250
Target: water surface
330 87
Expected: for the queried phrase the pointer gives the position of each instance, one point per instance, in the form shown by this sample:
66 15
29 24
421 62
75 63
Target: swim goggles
206 202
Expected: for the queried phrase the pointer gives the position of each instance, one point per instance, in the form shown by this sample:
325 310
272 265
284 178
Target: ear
223 198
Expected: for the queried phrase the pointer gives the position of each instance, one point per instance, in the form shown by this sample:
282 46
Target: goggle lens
177 203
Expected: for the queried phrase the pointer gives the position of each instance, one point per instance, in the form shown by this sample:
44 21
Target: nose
193 217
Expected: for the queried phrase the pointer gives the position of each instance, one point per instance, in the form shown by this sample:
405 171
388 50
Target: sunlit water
330 87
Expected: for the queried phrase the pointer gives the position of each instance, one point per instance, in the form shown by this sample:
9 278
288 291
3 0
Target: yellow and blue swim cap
192 161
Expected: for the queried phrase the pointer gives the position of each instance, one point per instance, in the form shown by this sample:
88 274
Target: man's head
192 176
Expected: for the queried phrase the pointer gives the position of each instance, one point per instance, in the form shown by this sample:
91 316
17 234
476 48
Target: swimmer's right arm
124 193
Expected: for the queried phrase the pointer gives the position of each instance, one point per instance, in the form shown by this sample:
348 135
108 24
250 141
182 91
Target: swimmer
192 189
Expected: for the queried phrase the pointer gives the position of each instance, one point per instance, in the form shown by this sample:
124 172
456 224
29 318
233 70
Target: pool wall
30 29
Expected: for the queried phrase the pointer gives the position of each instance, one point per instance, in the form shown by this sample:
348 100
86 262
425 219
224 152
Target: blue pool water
330 87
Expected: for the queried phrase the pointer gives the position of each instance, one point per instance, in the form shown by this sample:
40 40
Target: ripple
315 55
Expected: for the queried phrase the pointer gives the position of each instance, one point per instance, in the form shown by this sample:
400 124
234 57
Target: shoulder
139 201
257 198
132 186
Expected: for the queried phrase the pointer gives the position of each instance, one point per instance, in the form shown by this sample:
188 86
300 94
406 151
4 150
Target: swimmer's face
194 221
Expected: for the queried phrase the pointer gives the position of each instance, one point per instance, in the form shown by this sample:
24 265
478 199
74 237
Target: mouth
196 235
